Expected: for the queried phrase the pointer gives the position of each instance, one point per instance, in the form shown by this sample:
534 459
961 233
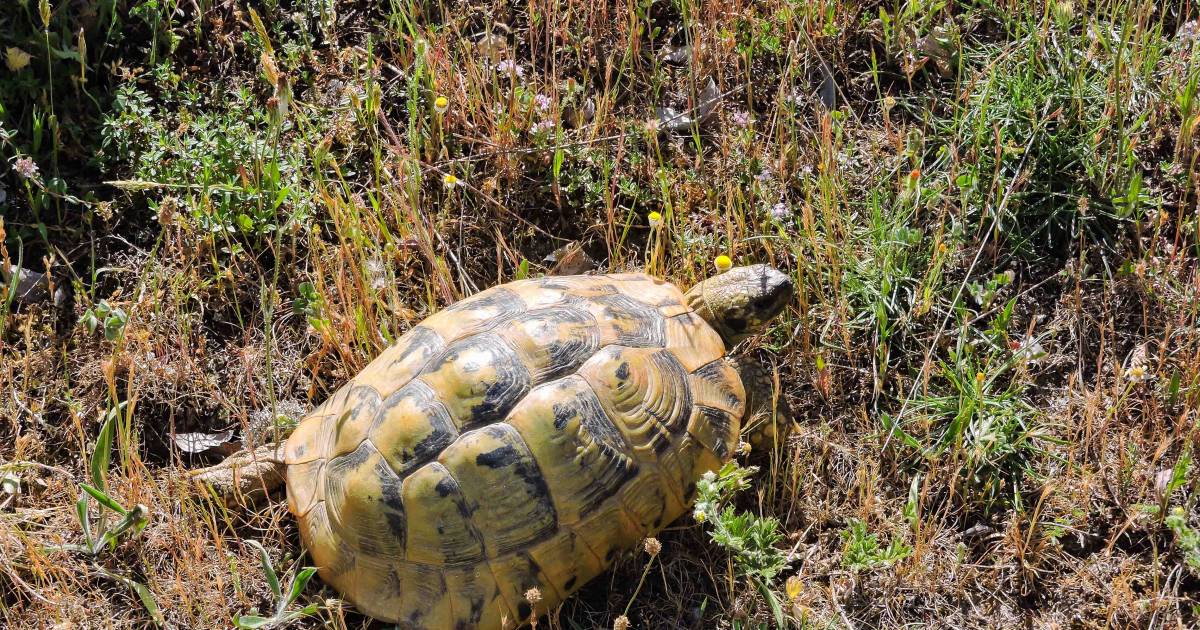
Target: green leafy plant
750 539
861 550
1186 537
109 318
283 601
99 535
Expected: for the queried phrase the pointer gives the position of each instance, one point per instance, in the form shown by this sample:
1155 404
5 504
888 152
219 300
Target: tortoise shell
521 438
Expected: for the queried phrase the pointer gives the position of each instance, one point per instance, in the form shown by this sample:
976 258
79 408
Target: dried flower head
621 623
743 448
652 546
533 595
16 59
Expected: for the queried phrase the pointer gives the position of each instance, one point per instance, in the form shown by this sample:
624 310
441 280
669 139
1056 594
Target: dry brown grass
884 236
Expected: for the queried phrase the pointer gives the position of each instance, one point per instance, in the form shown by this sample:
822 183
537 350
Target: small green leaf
773 602
300 582
104 499
81 511
250 621
268 570
103 449
148 601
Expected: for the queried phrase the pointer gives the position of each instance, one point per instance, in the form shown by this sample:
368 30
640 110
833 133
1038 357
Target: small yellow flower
655 219
723 262
16 59
449 180
441 104
700 516
794 586
744 448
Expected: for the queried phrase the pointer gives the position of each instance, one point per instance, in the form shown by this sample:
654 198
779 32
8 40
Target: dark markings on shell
675 382
570 583
454 551
574 337
516 461
639 325
504 389
612 467
393 504
623 370
419 339
419 396
715 374
722 424
445 486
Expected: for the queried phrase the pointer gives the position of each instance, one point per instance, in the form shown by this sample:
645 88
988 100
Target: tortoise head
740 302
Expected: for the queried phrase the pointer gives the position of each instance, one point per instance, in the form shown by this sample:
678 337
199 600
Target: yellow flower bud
723 262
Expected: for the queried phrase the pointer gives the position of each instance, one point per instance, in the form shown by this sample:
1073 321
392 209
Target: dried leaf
569 260
706 106
201 442
677 55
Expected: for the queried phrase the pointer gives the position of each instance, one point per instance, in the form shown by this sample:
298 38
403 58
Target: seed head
652 546
533 595
621 623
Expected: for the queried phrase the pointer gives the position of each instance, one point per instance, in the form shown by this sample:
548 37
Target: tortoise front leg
246 477
768 420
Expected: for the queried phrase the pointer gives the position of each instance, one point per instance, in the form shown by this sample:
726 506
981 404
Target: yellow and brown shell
521 438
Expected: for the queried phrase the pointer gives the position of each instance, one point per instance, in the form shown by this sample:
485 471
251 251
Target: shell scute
505 491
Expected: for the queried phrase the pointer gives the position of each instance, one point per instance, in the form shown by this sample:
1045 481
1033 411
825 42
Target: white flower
1137 374
541 102
741 118
781 211
509 67
541 126
25 167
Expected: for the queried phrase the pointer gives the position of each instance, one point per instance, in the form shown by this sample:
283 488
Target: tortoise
521 438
